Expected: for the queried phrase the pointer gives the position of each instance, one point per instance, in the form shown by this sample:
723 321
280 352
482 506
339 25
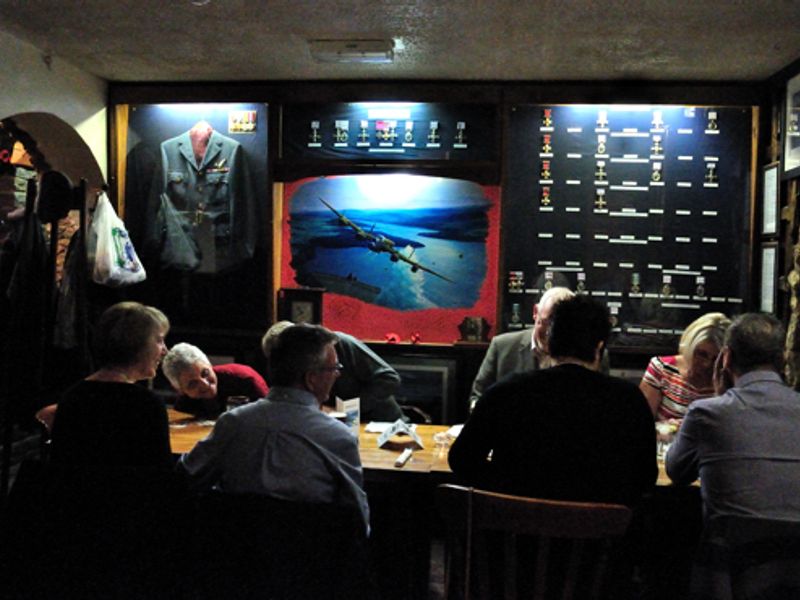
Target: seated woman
671 383
204 388
106 419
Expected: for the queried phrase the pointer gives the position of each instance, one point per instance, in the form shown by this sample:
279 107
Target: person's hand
722 378
666 430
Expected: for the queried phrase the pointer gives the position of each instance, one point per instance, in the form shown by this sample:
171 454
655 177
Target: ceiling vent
352 51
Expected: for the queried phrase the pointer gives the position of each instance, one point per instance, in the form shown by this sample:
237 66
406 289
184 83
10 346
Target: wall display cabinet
331 138
645 208
194 194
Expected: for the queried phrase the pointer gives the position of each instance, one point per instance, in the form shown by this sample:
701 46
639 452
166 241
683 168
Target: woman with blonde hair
672 383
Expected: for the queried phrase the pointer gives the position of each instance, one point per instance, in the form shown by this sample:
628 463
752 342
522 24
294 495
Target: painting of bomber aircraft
352 234
378 242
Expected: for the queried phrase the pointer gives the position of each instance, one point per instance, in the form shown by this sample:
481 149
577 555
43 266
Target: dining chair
503 546
742 557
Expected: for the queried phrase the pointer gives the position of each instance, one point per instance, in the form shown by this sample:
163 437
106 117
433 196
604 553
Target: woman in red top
204 388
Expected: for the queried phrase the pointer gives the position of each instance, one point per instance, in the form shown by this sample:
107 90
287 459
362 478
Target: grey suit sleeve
682 462
487 375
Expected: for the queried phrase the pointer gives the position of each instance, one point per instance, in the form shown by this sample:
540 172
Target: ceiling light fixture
352 51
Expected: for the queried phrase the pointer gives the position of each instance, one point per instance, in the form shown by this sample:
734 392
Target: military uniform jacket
215 198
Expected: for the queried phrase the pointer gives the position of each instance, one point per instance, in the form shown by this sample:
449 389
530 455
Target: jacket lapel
213 149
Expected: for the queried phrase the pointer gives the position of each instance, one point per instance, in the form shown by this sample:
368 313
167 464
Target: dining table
378 462
403 516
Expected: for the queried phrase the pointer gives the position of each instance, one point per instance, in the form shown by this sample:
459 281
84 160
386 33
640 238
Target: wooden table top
185 431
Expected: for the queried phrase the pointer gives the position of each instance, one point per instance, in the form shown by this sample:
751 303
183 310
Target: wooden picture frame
300 305
770 200
791 129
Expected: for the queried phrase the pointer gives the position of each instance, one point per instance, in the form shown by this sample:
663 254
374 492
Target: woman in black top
107 419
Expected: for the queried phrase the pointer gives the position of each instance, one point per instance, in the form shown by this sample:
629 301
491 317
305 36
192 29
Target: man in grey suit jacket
519 351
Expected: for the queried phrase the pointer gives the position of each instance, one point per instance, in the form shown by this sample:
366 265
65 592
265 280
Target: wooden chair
569 544
746 557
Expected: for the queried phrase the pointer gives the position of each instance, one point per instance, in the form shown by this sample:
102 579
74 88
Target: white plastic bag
109 247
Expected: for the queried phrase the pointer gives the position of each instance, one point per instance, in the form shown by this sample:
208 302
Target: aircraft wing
345 221
416 265
383 244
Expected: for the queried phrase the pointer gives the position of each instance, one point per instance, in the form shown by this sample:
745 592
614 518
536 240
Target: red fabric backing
370 322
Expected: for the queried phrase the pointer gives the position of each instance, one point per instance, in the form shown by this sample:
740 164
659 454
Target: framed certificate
769 271
791 128
770 200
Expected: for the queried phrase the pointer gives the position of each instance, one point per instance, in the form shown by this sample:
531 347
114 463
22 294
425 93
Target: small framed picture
769 276
300 305
770 200
791 129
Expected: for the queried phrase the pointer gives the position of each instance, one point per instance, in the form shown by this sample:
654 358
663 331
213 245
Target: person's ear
726 357
535 311
598 352
308 380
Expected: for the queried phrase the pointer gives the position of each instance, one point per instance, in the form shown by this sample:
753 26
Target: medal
545 172
600 174
546 147
599 199
545 200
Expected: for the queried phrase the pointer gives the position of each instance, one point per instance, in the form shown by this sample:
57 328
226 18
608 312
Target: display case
194 194
645 208
431 138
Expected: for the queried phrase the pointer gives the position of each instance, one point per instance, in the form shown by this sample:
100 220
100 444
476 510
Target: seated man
205 388
565 433
364 375
743 442
284 446
519 351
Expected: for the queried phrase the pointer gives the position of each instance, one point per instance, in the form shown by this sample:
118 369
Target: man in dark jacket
565 433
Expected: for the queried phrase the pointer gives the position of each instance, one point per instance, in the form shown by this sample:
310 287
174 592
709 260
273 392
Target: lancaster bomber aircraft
380 243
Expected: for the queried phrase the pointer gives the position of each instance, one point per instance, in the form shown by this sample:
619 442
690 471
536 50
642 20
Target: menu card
351 408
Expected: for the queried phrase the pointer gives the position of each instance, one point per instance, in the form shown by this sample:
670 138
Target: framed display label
770 201
769 267
791 144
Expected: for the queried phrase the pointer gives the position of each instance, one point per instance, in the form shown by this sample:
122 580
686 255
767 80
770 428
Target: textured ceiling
176 40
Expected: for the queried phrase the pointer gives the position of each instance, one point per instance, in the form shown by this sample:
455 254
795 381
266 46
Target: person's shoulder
235 369
664 362
512 337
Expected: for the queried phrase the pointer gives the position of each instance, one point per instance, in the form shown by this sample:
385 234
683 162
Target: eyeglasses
337 367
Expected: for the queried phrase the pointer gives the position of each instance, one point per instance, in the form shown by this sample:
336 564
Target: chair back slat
540 574
573 568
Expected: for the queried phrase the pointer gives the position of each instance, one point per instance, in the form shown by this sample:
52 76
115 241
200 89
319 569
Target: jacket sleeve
487 375
376 378
682 461
469 454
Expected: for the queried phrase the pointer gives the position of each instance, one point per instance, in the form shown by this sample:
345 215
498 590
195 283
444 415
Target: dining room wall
32 82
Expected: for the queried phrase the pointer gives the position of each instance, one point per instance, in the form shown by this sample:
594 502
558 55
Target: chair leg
542 558
575 556
511 570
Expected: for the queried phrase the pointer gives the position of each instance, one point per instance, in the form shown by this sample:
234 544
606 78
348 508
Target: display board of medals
390 131
645 208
